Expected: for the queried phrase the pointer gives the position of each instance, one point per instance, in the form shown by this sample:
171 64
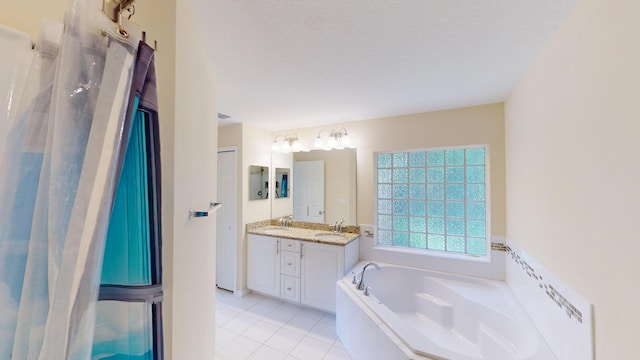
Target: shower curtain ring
121 29
132 11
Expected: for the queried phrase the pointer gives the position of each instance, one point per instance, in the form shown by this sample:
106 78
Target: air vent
222 116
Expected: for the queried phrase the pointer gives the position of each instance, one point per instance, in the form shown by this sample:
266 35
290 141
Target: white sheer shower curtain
57 181
15 60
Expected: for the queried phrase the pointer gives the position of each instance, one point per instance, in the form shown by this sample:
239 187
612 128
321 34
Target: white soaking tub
418 314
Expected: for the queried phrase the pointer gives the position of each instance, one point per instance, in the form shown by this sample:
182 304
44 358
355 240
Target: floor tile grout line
254 300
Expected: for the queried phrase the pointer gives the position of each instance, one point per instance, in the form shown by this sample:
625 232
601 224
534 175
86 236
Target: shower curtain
15 62
62 151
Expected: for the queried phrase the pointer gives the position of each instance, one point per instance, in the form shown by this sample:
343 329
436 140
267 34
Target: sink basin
329 236
274 230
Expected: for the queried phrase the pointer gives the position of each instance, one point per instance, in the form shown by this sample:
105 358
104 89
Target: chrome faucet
361 285
286 221
338 227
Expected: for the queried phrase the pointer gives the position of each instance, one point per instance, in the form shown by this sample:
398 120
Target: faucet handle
366 290
354 281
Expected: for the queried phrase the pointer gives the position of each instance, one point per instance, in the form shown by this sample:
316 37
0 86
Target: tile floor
257 327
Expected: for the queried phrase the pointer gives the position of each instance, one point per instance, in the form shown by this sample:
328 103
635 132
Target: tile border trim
554 295
499 246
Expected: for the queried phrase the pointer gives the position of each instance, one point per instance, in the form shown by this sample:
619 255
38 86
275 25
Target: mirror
339 184
258 182
282 188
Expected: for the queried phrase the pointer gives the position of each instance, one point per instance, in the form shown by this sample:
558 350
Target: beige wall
27 15
466 126
230 135
572 140
256 150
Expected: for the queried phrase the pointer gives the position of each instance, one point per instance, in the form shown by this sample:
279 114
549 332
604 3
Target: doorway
227 229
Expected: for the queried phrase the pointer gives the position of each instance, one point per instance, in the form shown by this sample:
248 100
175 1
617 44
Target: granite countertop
304 234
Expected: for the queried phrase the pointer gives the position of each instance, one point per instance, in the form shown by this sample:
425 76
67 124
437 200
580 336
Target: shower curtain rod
113 8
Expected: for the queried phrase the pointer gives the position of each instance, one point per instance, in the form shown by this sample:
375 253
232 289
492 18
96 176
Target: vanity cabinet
322 265
298 271
290 269
263 264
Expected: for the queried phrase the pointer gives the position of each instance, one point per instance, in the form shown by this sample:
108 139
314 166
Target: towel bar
213 206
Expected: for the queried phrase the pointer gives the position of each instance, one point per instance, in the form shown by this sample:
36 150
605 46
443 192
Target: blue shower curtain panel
127 253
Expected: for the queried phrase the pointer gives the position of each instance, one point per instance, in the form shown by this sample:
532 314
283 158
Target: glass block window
433 200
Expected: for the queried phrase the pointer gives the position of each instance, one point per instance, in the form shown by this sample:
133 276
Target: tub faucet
361 285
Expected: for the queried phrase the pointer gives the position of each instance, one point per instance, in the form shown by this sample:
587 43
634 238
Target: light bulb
331 142
319 142
286 147
296 145
346 140
275 146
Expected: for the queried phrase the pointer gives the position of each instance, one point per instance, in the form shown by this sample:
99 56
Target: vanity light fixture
337 139
289 143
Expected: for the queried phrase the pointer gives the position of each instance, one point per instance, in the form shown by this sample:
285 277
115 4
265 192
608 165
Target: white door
226 220
308 191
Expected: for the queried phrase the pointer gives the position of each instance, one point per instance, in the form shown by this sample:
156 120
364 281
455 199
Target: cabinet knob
289 263
289 288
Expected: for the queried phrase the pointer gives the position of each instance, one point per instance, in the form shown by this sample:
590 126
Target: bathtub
418 314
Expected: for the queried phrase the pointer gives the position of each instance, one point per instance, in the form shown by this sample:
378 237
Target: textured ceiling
285 64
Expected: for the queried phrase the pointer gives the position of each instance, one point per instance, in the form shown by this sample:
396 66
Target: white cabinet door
263 264
321 265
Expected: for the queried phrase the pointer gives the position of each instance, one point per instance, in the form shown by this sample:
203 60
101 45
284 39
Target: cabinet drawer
290 245
290 263
290 288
